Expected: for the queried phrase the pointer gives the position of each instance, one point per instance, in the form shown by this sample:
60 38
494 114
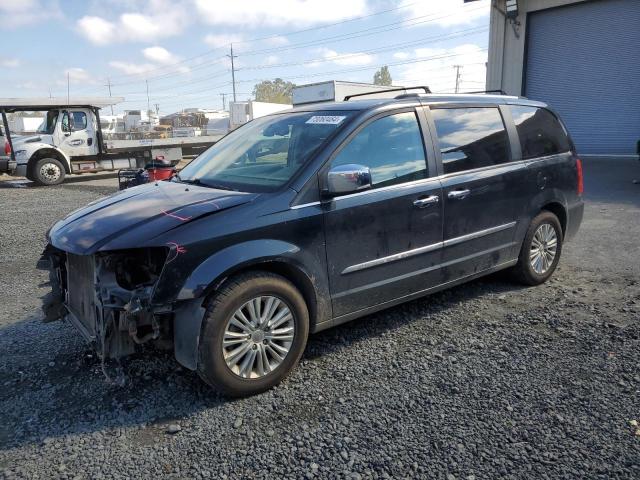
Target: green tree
382 77
274 91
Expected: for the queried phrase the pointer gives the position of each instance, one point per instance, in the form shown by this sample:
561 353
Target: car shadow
611 180
52 385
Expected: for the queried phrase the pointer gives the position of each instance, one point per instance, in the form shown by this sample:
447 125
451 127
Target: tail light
580 176
7 149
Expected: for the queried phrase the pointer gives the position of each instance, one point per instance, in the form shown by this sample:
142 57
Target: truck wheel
540 251
254 333
48 171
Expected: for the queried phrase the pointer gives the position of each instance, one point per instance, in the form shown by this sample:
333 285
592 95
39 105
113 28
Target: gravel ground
487 380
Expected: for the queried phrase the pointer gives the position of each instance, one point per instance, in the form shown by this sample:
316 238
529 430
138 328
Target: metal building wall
584 60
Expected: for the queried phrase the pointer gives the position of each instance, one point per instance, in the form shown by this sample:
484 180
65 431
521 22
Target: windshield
49 123
264 154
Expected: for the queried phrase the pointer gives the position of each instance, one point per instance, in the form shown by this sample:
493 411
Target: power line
276 35
369 67
207 78
434 39
345 36
357 34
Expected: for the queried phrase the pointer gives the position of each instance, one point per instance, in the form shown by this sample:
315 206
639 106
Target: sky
180 48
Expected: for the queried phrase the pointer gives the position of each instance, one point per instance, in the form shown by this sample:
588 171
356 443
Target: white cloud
276 13
271 60
276 41
401 55
222 39
97 30
445 13
157 19
166 59
159 55
17 13
348 59
439 72
132 68
76 76
17 6
9 62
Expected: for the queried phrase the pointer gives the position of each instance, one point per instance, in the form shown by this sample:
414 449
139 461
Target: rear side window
539 131
471 137
391 147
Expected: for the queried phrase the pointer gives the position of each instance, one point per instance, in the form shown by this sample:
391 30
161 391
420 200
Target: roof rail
399 89
501 92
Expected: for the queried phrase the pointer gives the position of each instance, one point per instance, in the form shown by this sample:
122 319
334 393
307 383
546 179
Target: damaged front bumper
108 298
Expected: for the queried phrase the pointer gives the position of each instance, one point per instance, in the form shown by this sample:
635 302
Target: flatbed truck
70 140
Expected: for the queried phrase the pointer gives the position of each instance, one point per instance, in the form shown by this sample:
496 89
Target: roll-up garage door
584 60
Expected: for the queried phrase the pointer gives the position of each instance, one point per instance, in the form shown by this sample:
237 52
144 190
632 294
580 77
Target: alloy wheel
258 337
544 245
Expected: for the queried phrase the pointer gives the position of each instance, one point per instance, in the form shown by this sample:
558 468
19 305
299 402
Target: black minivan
303 220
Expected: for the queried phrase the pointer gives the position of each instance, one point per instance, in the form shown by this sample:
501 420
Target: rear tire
541 249
266 298
48 171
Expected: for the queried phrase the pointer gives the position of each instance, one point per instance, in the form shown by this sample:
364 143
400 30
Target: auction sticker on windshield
326 119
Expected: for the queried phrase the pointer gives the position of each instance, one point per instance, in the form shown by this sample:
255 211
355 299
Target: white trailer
71 140
336 91
243 112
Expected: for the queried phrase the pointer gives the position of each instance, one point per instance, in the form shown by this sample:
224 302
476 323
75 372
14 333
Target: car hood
133 217
33 139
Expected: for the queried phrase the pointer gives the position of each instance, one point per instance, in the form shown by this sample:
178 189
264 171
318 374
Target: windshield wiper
200 183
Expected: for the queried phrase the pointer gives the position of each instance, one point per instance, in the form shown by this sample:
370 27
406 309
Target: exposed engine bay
107 297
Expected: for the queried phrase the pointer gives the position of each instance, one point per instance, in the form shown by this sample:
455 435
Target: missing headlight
136 268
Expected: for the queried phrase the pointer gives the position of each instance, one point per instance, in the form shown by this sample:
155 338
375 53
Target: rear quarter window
539 131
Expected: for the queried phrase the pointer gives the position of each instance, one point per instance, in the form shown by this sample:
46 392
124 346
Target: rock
237 423
173 428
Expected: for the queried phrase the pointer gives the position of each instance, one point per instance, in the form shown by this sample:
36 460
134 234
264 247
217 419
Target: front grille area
81 290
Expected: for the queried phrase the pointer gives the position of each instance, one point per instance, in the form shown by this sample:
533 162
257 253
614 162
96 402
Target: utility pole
148 104
233 72
224 101
458 75
109 87
157 105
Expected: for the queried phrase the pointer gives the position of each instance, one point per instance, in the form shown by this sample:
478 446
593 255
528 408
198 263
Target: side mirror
350 178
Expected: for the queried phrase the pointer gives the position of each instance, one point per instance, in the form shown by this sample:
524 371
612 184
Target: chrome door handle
458 194
425 202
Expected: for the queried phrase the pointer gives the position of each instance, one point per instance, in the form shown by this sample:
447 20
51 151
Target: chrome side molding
392 258
427 248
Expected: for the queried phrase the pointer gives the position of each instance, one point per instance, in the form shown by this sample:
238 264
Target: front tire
48 171
254 333
541 249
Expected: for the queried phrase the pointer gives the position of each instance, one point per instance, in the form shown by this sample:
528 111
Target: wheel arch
272 256
559 211
293 273
48 152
